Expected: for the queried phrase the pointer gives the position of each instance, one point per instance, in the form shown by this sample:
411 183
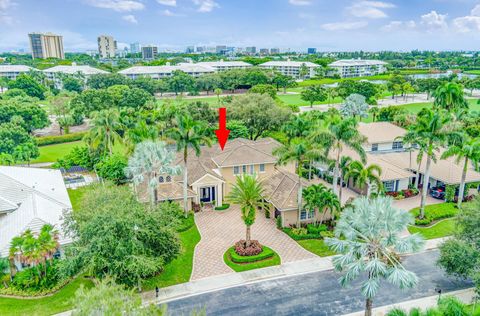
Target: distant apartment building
349 68
46 45
221 49
149 52
190 49
264 51
160 72
311 51
200 49
221 65
295 69
11 72
57 73
107 46
251 50
135 48
274 51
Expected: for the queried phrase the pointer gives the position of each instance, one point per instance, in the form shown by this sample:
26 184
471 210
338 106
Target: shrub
60 139
297 236
223 207
316 229
299 231
78 156
435 212
279 222
264 254
450 193
185 223
112 168
253 249
327 234
28 279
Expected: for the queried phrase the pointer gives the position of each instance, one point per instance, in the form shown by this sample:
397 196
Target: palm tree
248 193
150 160
368 239
318 197
14 254
340 133
449 96
345 162
468 149
140 132
105 130
431 130
374 111
188 133
363 175
47 244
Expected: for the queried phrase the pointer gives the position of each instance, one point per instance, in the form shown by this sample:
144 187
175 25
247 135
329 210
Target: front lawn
51 153
435 212
76 196
239 267
316 246
59 302
441 229
179 270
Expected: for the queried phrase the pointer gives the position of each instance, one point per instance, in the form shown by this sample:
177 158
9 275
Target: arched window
161 179
169 179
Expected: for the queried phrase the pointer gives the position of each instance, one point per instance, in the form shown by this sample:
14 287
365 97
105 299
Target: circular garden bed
265 258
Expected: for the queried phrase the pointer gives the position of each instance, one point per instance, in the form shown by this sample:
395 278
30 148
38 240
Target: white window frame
386 186
307 215
261 168
397 145
236 170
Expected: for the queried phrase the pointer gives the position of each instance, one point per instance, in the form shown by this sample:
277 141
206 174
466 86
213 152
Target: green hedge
186 223
435 212
265 254
223 207
289 232
60 139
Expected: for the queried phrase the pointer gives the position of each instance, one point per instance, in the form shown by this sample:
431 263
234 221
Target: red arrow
222 131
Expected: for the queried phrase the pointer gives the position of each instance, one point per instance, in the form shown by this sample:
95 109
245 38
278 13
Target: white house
292 68
159 72
348 68
29 199
12 71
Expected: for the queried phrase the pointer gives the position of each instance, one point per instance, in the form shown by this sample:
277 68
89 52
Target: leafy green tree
31 87
368 239
78 156
180 82
13 135
259 113
297 126
354 106
264 89
208 82
237 129
283 81
31 114
248 193
188 134
104 133
72 84
147 84
449 96
319 198
112 168
340 133
26 152
103 81
6 159
314 94
363 175
92 100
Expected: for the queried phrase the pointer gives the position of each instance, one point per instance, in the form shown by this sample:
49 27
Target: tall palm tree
188 134
449 96
363 175
340 133
150 160
105 130
14 253
319 198
140 132
369 239
431 130
248 193
47 244
345 162
374 111
468 150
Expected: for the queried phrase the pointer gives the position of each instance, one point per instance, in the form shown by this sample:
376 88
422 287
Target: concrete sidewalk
224 281
466 296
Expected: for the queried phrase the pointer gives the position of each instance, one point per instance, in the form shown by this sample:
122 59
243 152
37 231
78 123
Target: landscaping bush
112 168
279 222
435 212
60 139
28 279
265 253
253 249
327 234
223 207
299 233
316 229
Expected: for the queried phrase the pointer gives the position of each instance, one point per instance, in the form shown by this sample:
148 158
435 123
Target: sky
328 25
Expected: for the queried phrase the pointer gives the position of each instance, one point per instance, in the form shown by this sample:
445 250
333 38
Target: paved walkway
413 202
221 229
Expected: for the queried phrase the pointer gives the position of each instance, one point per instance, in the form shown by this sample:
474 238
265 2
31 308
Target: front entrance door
207 194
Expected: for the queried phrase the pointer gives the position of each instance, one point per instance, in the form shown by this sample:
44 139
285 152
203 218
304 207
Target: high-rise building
190 49
274 51
312 51
46 45
135 48
149 52
201 49
106 46
221 49
264 51
251 50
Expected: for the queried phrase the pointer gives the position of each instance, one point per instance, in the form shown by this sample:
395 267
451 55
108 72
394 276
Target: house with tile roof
29 199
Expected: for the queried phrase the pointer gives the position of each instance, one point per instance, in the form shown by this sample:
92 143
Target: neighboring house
159 72
292 68
348 68
29 199
11 72
83 72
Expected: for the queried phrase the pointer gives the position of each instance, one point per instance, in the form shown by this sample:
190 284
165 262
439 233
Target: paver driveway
221 229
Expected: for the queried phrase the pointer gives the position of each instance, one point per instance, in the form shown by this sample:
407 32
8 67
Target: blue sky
329 25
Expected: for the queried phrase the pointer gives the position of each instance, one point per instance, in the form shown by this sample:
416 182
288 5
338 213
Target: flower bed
265 253
253 249
310 231
223 207
403 194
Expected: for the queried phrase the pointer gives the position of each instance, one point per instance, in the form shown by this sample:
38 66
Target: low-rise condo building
295 69
159 72
349 68
11 72
223 65
57 73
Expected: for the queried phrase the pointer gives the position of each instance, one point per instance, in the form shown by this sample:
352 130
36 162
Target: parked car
439 192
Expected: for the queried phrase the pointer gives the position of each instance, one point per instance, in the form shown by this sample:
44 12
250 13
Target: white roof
288 63
15 68
223 63
29 199
86 70
145 70
356 62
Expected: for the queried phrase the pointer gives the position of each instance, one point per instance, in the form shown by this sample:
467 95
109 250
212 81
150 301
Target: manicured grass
179 270
435 212
316 246
473 72
296 99
240 267
76 195
57 303
51 153
441 229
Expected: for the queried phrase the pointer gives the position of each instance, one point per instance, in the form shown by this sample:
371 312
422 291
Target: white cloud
5 18
170 3
300 2
130 18
434 20
399 26
117 5
170 13
343 26
370 9
206 5
468 23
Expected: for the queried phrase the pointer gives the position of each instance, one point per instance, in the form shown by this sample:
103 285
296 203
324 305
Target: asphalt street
316 293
